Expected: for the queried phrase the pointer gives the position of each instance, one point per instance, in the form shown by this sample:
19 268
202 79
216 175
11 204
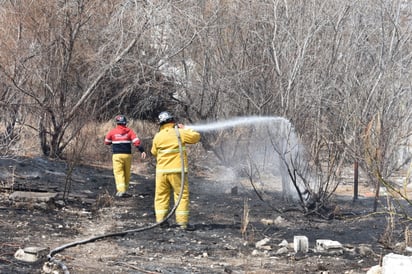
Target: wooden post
355 180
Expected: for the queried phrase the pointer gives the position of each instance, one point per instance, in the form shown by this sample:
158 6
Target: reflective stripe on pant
165 184
121 171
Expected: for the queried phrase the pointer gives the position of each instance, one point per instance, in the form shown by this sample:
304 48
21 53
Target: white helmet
165 117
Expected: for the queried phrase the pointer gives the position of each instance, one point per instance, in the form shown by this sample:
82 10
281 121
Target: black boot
164 224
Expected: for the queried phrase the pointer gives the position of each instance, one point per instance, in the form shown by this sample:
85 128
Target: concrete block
31 254
327 245
395 264
27 196
301 244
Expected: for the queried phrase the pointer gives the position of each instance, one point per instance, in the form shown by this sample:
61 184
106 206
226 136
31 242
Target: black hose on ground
50 256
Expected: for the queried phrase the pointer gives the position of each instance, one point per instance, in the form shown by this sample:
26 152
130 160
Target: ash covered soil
221 243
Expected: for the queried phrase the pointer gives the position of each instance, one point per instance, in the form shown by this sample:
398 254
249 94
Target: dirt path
218 245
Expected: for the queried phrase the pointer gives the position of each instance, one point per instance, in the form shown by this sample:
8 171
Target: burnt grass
221 243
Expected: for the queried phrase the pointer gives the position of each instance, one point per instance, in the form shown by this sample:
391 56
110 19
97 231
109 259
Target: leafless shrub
10 180
387 236
245 219
408 236
104 200
73 158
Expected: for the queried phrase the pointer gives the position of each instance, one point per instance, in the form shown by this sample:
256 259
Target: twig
10 244
137 268
5 260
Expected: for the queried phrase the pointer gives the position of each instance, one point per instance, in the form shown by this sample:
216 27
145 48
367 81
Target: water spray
204 127
270 133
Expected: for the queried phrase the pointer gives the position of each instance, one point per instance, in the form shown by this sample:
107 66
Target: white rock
267 221
279 220
262 242
377 269
284 243
50 268
282 250
255 253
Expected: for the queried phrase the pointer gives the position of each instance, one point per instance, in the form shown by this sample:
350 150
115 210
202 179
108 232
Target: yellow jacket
165 148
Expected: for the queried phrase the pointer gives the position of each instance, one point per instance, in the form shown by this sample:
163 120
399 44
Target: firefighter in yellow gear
166 149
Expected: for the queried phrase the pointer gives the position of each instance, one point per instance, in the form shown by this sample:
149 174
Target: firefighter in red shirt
121 139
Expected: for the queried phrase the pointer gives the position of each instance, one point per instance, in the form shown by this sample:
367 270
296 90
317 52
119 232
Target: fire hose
59 263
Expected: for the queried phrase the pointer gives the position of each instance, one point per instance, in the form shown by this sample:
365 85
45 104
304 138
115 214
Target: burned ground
221 243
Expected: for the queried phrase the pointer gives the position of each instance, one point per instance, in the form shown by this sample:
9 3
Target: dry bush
96 152
245 218
27 145
387 237
408 236
104 200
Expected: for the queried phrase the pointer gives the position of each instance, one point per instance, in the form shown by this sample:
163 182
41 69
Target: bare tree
327 67
66 55
11 119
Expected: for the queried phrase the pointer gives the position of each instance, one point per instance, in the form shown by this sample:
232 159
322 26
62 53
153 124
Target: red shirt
121 138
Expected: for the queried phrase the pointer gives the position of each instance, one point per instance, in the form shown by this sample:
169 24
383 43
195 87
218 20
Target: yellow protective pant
166 183
121 170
